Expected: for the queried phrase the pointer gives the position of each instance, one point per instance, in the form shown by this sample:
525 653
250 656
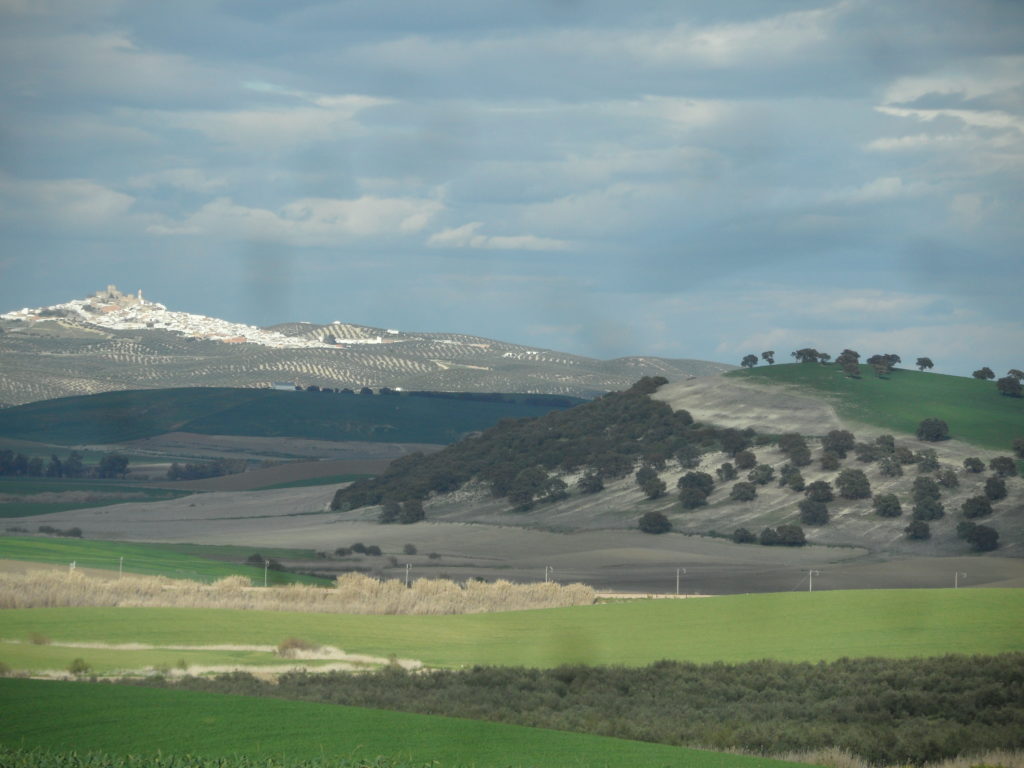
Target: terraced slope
54 358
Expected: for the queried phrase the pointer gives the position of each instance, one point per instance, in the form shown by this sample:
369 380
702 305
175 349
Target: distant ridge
112 341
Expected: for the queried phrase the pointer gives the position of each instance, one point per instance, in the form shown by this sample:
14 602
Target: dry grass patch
353 593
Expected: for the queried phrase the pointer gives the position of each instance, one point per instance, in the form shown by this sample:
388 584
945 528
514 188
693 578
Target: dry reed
353 593
834 757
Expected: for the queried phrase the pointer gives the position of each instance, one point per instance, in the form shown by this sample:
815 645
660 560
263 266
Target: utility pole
677 578
548 570
120 567
810 579
408 566
956 578
266 566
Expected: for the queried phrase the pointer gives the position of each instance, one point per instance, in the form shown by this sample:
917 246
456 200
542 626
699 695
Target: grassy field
974 410
79 492
782 626
115 417
178 561
326 480
85 716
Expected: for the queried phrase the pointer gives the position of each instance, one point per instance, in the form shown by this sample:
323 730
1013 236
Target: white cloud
309 221
466 236
973 117
71 202
189 179
968 79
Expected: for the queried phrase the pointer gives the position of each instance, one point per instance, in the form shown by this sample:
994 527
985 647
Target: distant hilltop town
110 308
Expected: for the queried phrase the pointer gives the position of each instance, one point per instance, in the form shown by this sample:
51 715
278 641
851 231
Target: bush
890 467
743 492
412 512
343 551
79 666
813 512
434 556
373 551
925 488
291 647
983 538
783 536
409 549
590 483
933 430
654 522
743 536
947 478
359 548
390 511
702 481
887 505
927 460
918 530
829 461
838 442
38 638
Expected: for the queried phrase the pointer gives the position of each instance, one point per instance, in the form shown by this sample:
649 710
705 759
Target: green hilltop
974 409
113 417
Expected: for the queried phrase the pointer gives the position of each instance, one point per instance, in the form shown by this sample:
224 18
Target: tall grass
353 593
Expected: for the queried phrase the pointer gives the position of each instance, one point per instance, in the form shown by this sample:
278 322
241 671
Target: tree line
110 465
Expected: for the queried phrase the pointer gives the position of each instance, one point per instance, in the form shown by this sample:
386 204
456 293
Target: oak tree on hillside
749 361
923 363
887 505
933 430
838 441
1003 466
1009 386
974 465
1016 373
853 484
984 373
769 356
654 522
819 490
806 355
975 507
918 530
743 491
995 488
813 512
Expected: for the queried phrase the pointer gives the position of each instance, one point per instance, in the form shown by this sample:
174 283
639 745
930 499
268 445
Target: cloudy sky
699 179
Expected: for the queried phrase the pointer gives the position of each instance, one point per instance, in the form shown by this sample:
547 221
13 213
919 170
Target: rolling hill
114 342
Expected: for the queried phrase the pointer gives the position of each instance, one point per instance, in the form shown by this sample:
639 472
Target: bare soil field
623 560
241 447
289 472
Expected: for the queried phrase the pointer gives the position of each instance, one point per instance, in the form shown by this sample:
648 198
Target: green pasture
29 487
796 626
116 417
177 561
121 719
974 409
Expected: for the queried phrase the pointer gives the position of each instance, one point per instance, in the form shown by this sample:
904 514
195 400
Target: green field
102 489
327 480
178 561
115 417
121 719
974 410
783 626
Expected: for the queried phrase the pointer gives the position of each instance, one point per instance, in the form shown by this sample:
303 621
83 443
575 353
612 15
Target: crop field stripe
122 719
974 410
151 559
798 626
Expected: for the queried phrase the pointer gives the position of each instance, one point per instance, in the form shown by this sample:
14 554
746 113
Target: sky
698 179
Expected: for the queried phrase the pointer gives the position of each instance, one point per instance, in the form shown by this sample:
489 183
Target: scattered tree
390 511
1003 466
813 512
929 509
927 460
749 361
743 536
829 461
838 441
654 488
887 505
853 484
702 481
654 522
1009 387
112 465
890 467
982 538
726 472
995 488
1018 447
984 373
933 430
925 488
743 491
924 362
591 482
947 478
974 465
762 474
806 355
975 507
1016 373
769 357
745 460
918 530
409 549
691 498
819 490
412 512
790 476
